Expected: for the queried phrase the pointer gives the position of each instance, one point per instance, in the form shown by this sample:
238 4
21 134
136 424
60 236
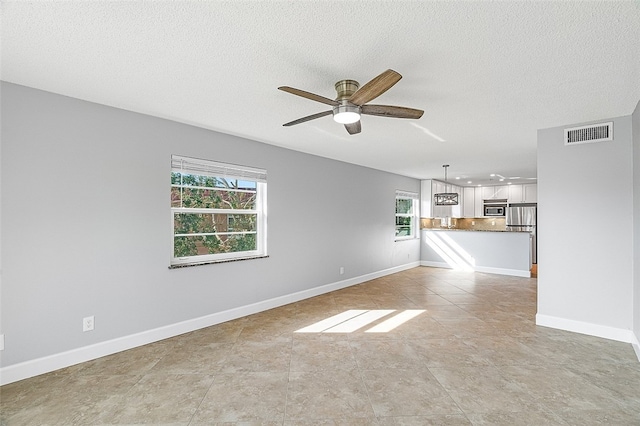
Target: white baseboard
487 269
24 370
435 264
606 332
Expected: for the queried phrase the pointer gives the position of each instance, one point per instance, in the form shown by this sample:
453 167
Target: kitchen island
495 252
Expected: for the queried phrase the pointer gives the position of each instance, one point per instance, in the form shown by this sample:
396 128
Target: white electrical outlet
88 323
1 342
342 270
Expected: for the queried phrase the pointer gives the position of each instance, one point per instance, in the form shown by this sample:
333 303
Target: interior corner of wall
636 346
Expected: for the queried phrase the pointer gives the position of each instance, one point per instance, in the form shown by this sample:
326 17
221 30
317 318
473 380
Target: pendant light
445 198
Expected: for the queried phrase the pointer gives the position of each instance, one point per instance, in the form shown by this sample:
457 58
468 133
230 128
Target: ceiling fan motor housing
346 88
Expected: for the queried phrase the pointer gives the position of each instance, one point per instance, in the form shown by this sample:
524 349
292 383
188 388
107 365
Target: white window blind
211 168
405 194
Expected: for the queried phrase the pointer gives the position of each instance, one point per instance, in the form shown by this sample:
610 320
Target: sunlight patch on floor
395 321
355 319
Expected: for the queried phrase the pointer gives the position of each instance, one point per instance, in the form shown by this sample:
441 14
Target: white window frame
202 167
414 214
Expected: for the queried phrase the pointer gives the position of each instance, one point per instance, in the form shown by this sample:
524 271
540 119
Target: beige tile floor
473 356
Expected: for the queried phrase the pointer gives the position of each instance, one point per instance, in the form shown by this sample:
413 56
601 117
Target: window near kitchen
406 215
218 212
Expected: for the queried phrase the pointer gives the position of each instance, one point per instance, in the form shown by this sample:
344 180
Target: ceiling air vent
587 134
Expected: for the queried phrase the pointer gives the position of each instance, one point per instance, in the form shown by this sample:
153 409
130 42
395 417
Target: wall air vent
587 134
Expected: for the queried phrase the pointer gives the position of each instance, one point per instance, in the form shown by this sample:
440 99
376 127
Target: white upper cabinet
487 192
426 197
527 193
439 187
478 204
500 192
469 199
515 194
530 191
456 211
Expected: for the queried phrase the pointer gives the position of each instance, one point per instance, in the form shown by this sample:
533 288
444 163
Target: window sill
397 240
210 262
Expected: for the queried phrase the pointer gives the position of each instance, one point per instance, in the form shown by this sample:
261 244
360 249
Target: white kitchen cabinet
515 194
456 211
487 192
530 191
478 205
499 192
426 199
526 193
468 201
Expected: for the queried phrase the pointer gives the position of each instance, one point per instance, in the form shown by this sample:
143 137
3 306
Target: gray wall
585 218
86 224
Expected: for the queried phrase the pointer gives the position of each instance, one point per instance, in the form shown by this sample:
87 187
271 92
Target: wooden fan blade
309 95
375 87
353 128
308 118
391 111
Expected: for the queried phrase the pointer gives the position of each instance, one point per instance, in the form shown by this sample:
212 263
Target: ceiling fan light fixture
346 114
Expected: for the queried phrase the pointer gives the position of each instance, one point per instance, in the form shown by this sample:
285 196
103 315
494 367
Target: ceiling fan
352 101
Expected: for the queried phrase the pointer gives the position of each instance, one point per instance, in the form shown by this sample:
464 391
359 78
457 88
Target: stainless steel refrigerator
523 217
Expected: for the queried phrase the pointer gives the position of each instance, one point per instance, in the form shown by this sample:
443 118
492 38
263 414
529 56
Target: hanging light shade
445 198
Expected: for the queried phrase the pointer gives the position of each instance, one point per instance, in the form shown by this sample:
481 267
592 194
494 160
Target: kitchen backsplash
478 223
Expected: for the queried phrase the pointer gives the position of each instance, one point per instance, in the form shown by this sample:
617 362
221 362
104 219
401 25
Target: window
218 211
406 215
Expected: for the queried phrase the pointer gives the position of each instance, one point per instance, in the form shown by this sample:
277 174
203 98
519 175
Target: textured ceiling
487 74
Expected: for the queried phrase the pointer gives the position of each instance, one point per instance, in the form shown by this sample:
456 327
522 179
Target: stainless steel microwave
495 209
